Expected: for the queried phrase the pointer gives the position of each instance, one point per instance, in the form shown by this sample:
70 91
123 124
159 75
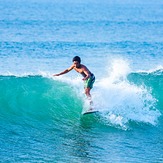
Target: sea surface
120 41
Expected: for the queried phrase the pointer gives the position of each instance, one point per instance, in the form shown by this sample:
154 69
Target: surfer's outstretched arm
65 71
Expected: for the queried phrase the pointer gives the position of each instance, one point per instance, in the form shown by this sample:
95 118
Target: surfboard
90 111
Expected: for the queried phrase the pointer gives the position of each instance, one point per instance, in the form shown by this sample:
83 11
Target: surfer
88 77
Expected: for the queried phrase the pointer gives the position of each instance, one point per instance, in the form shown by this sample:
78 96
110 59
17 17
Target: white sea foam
157 68
120 101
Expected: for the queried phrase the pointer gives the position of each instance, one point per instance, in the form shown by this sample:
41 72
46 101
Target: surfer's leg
87 92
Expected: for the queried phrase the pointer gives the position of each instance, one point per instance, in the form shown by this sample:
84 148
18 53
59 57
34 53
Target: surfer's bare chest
79 70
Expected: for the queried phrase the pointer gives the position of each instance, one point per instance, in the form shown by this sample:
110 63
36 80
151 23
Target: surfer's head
76 60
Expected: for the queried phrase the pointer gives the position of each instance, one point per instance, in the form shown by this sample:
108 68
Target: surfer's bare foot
91 102
90 109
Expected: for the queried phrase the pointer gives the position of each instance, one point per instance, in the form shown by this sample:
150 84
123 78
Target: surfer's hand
84 78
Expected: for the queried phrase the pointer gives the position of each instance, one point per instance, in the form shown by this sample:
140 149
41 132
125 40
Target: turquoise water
41 116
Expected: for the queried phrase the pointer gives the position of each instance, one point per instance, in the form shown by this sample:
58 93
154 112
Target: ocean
41 115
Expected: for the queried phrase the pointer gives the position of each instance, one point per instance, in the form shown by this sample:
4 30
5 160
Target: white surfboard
90 111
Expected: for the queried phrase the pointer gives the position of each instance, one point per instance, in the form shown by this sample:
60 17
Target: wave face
35 97
153 81
40 112
120 101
